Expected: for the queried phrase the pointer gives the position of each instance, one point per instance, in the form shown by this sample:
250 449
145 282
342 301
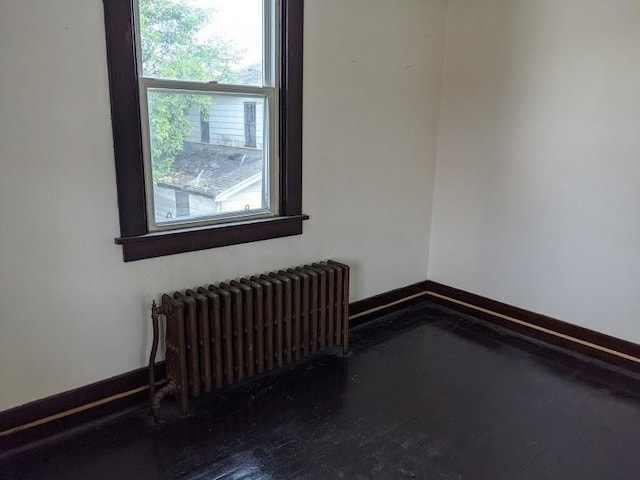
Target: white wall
71 312
537 198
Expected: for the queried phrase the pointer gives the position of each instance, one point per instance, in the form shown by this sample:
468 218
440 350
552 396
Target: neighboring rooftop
250 75
210 170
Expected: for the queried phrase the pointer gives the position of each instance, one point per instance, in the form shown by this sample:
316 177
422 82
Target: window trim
136 239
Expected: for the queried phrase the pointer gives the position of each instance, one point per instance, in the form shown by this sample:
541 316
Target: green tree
175 46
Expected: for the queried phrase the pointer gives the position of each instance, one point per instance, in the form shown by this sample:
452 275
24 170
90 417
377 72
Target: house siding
226 122
252 196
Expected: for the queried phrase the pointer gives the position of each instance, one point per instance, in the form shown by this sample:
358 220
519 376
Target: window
250 124
204 127
206 100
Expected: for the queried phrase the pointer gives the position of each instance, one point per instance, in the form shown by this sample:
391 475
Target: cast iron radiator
222 334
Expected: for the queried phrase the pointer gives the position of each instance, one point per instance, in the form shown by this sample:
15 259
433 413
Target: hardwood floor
426 394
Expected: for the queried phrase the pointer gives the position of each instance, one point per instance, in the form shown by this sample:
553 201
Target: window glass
205 109
208 155
202 40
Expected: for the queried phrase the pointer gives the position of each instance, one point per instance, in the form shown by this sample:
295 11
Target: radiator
222 334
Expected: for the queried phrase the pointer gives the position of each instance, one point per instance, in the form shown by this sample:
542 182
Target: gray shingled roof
210 170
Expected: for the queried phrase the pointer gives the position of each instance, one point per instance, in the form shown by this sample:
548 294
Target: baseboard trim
34 421
363 311
548 329
72 411
50 416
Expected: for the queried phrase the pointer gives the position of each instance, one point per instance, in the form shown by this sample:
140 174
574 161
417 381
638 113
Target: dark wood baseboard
369 309
40 419
550 330
37 420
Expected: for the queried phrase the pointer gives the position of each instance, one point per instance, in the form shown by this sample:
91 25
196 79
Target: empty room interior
420 221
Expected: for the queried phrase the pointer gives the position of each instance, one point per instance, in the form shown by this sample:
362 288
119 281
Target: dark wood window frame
136 240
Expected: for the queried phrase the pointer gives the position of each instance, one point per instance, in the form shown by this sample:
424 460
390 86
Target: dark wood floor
426 394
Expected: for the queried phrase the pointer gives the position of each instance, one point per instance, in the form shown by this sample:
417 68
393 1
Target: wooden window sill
170 242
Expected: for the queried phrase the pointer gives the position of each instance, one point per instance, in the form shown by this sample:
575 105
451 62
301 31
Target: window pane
202 40
207 154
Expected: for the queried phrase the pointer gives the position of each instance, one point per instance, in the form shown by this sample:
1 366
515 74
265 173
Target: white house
220 169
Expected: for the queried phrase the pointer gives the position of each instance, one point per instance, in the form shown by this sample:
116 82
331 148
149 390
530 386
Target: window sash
271 171
269 91
271 29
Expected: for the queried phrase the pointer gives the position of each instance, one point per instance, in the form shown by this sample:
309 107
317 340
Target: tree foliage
176 46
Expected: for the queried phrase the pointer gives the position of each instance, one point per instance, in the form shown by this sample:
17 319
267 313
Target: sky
239 21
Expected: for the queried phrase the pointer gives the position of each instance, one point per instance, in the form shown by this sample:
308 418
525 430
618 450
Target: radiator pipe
155 314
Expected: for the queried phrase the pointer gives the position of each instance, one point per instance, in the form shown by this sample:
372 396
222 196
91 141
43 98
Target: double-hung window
206 102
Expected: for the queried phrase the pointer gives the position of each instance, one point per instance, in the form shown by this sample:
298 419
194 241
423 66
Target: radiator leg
346 351
164 392
170 388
